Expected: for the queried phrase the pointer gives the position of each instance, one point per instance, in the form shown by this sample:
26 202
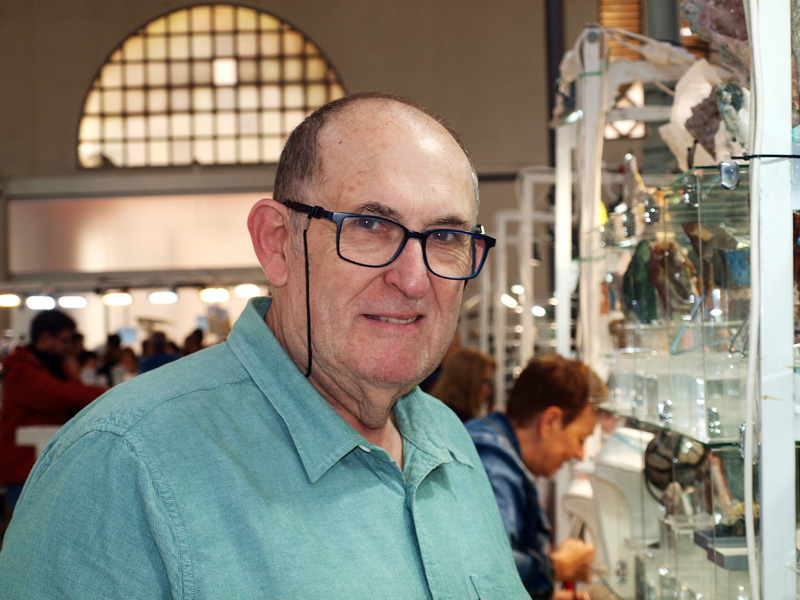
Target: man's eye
365 223
443 237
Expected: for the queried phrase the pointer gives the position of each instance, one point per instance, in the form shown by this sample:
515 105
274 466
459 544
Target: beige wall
480 64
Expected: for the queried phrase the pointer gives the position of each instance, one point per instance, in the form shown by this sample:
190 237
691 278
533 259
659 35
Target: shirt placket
438 550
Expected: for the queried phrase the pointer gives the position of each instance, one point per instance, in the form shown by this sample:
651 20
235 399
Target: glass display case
668 483
677 283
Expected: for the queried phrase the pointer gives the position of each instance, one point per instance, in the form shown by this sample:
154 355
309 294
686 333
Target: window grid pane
158 101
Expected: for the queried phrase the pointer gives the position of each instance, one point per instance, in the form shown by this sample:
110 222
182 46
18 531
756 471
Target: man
158 353
548 418
298 459
39 389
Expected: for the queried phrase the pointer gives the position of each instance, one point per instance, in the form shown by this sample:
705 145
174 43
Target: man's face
59 344
561 445
385 327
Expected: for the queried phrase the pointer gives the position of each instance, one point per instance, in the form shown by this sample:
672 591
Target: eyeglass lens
374 242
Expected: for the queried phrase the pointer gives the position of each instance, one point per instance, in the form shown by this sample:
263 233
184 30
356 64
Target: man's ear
550 421
269 224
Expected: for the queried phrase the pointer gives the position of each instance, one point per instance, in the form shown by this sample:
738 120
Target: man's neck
378 429
366 408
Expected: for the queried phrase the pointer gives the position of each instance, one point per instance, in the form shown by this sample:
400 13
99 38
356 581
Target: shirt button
365 448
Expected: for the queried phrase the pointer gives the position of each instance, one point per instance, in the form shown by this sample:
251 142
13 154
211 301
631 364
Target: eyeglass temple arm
314 212
490 241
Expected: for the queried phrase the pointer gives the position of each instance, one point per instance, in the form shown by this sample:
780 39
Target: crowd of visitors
114 363
49 380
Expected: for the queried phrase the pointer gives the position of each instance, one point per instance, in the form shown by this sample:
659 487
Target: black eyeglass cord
308 293
749 156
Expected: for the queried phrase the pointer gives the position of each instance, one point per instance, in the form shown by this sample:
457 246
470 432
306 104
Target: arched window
211 84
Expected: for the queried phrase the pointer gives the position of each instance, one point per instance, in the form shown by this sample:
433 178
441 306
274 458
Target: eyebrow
387 212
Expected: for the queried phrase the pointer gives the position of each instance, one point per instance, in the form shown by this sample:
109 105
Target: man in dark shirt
159 353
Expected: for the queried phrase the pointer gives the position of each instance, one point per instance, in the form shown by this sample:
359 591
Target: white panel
130 233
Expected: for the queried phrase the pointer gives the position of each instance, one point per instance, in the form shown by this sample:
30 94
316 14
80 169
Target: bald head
376 330
302 162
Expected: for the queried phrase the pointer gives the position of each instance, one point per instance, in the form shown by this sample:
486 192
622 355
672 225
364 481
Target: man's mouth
394 320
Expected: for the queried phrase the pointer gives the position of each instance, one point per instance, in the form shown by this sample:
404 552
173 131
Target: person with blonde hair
465 383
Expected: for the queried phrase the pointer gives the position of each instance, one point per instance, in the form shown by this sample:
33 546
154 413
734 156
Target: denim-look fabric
225 475
526 524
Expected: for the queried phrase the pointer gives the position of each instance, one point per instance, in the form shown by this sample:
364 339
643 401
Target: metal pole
565 143
771 35
590 149
499 310
5 315
527 298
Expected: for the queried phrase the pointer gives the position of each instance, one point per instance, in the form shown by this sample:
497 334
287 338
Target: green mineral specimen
637 285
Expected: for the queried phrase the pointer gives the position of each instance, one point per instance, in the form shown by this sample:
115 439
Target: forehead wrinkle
379 210
382 210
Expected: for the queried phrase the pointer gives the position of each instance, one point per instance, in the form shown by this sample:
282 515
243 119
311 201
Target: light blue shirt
226 475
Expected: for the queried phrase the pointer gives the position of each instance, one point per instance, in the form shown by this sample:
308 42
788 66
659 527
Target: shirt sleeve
535 570
95 523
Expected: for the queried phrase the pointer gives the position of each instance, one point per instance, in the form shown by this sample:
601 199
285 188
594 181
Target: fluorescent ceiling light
40 303
247 290
9 300
538 311
72 302
117 299
214 295
509 301
163 297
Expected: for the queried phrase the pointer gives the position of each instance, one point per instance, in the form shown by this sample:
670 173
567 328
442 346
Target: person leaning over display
298 459
547 420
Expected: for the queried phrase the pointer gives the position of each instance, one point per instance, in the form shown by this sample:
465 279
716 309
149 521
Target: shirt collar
421 426
501 421
321 437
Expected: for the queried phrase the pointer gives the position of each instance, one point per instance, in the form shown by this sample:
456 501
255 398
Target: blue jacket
526 524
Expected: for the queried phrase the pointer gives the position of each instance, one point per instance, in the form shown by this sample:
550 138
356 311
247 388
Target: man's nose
408 272
579 453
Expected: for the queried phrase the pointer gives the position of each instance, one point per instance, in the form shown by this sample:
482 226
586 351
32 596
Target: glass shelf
678 301
668 483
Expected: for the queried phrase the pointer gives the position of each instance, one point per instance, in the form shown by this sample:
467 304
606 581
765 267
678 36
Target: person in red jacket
39 389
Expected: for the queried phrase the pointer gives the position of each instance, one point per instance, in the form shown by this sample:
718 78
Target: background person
428 383
548 418
89 372
110 354
298 459
193 342
39 389
127 368
465 383
158 354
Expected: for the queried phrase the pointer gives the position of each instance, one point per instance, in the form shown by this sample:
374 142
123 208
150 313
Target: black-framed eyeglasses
371 241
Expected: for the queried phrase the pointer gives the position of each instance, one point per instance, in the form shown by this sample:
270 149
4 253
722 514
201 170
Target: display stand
721 346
